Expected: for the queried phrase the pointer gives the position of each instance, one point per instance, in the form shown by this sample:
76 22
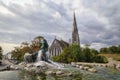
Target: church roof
62 43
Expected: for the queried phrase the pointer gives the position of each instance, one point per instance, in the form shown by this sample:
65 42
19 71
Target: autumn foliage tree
19 52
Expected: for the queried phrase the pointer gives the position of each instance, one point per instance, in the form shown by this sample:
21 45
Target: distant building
57 46
7 56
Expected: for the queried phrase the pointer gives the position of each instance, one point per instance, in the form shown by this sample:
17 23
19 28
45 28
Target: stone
26 68
69 74
77 66
50 73
92 70
32 69
29 65
22 63
73 64
16 68
12 67
116 66
59 72
85 68
81 67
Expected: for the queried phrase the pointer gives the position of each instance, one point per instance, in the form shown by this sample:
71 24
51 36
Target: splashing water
56 64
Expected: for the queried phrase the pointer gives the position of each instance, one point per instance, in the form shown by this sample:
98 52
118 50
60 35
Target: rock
16 68
81 67
92 70
29 65
22 63
33 69
12 67
116 66
106 65
40 63
69 74
59 72
77 66
73 64
26 68
85 68
21 67
50 73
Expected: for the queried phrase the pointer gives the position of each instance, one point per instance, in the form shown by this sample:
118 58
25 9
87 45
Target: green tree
118 49
100 59
104 50
88 55
74 53
1 51
69 54
112 49
95 52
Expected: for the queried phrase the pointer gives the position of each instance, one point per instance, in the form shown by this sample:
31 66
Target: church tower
75 35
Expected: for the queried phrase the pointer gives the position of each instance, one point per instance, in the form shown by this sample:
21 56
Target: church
57 46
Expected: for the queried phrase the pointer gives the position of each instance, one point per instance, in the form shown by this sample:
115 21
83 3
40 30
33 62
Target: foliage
1 51
111 49
114 56
74 53
69 54
88 55
19 52
100 59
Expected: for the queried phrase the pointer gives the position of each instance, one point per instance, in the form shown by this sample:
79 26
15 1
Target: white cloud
7 47
5 11
98 45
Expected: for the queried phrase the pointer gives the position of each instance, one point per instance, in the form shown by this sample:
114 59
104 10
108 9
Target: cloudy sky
21 20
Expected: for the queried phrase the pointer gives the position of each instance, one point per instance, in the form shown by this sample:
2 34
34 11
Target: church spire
75 35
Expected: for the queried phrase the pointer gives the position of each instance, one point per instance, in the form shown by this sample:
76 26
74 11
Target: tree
118 49
104 50
88 55
112 49
95 52
69 54
74 53
1 51
100 59
19 52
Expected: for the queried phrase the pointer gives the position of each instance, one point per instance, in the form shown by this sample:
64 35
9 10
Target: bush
74 53
1 53
100 59
69 54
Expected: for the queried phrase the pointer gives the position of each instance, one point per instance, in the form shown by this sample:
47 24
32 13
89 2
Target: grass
114 56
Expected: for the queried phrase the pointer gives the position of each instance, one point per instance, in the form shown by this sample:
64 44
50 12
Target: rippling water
9 75
102 74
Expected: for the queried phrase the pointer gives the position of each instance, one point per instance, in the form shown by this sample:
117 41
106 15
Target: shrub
100 59
69 54
1 51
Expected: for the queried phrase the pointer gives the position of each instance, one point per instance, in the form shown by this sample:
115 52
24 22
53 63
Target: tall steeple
75 35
